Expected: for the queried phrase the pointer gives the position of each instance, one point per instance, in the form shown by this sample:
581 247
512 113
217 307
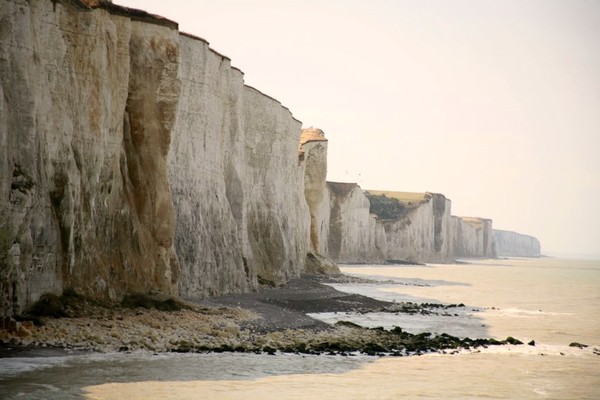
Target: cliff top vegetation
407 198
474 221
385 207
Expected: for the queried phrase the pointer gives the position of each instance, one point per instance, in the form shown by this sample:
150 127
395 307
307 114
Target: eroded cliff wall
417 225
374 226
341 228
207 134
133 159
87 102
235 178
354 235
275 218
472 237
513 244
313 152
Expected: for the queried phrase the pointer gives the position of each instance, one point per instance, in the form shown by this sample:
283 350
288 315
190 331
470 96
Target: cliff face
472 237
275 221
513 244
205 134
134 159
340 225
417 225
87 102
354 235
113 126
313 152
236 183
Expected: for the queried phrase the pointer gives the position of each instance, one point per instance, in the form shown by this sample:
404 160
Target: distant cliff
354 234
472 237
341 227
349 225
417 225
513 244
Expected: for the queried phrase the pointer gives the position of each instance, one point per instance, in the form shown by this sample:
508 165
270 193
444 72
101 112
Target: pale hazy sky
494 103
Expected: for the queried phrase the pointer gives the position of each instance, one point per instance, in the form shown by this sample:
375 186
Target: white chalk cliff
342 228
236 183
313 152
113 126
354 235
513 244
472 237
133 158
417 225
88 99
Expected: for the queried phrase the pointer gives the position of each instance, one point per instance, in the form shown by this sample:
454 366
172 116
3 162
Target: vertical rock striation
354 235
472 237
341 226
236 182
134 159
88 99
417 225
313 152
207 138
275 221
513 244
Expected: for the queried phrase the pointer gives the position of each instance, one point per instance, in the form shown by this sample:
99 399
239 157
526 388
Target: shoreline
266 321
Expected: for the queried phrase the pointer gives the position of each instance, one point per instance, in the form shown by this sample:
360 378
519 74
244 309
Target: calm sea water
551 301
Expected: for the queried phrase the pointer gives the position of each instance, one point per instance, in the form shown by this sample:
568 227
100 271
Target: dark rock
579 345
374 348
23 318
320 265
532 343
348 324
49 305
184 347
147 301
512 340
398 331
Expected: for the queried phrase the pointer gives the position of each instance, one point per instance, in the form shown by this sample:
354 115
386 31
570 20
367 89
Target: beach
271 319
553 316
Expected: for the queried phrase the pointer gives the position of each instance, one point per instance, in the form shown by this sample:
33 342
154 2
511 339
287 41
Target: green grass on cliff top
403 197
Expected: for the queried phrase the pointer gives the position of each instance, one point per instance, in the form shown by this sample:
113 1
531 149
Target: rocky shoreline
266 321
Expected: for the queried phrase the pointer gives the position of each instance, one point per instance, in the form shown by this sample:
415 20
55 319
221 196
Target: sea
550 303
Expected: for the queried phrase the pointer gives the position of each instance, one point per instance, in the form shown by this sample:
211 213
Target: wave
518 312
